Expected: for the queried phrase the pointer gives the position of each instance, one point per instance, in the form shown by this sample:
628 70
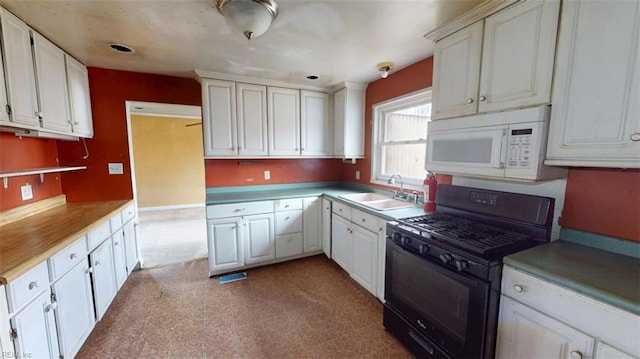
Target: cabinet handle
363 220
635 137
73 256
286 218
518 288
97 263
576 354
482 98
340 210
302 149
33 284
238 210
295 149
116 243
286 206
469 100
48 308
88 270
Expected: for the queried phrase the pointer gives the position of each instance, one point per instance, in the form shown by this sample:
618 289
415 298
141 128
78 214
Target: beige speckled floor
307 308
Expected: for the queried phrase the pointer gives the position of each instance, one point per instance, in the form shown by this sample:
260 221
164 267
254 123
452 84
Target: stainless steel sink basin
376 201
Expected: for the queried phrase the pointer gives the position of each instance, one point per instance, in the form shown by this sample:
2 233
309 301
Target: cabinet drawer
128 213
289 204
116 222
98 234
365 220
342 210
238 209
67 258
288 222
27 286
288 245
598 319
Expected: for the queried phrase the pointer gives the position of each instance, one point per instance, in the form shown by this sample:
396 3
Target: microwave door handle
504 144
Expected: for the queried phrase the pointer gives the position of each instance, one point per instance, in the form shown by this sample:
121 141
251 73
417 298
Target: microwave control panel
520 147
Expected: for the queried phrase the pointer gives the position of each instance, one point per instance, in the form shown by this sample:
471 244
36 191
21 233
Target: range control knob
405 240
461 265
397 236
445 258
423 248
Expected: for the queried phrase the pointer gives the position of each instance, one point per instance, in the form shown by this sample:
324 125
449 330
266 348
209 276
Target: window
400 138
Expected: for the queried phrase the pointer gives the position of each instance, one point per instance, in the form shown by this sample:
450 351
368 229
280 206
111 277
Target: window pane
407 160
407 124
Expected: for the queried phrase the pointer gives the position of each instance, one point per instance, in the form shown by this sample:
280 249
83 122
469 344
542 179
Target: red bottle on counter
430 185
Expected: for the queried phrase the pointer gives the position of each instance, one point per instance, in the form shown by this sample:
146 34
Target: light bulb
384 73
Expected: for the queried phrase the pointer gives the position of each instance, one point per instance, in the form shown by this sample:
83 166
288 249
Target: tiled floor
308 308
172 236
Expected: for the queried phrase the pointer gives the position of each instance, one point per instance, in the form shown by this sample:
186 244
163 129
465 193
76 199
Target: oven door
447 307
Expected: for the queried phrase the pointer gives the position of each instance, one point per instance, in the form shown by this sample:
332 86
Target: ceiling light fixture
121 48
251 17
384 68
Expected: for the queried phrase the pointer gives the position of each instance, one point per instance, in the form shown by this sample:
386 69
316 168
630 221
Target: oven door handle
421 342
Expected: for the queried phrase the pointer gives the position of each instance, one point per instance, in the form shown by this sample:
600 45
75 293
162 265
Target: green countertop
331 190
603 275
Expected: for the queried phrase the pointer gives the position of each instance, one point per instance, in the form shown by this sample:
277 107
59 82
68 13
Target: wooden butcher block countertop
29 241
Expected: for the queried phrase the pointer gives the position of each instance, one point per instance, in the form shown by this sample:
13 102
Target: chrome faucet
393 181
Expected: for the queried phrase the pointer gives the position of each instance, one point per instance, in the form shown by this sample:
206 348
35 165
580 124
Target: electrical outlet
357 175
115 168
267 175
27 192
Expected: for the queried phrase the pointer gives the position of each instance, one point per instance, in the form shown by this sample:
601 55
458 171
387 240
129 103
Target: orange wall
220 173
412 78
26 153
605 201
109 91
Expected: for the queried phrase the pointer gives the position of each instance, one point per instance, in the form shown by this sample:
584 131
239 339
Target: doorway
168 181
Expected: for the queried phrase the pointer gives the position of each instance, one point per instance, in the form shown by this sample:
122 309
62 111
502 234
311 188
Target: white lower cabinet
312 223
258 236
103 277
288 245
605 351
74 315
326 227
527 333
341 242
35 329
119 260
130 245
364 258
225 244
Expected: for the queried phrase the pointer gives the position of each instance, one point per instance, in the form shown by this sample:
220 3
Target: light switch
357 175
115 168
27 192
267 175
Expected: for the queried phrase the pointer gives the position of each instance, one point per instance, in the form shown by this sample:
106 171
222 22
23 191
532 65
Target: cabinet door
349 122
595 117
339 106
4 100
605 351
36 329
104 280
312 224
382 253
79 98
288 245
341 242
517 56
225 244
219 118
259 238
326 227
315 127
526 333
74 314
252 119
364 258
130 245
283 121
51 82
456 73
119 260
19 71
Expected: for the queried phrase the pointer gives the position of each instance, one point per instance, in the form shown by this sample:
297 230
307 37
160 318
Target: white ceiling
337 40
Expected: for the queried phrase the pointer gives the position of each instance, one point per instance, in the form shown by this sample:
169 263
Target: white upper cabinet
595 117
252 119
19 71
316 131
4 100
283 121
456 72
348 117
502 62
53 96
219 118
79 99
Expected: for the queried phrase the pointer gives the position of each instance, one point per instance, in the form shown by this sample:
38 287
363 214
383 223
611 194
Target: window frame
379 112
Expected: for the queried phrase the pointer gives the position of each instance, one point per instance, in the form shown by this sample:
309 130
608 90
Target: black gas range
443 270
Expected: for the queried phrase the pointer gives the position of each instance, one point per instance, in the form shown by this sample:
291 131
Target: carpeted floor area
172 236
307 308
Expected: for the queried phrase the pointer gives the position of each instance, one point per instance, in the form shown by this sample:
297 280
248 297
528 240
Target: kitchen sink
376 201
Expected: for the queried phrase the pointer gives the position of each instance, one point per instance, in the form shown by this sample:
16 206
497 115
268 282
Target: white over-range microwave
508 145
